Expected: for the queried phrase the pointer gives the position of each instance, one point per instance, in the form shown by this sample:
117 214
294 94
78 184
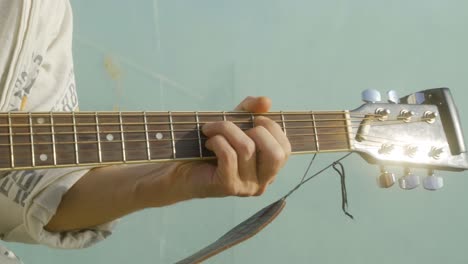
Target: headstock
421 130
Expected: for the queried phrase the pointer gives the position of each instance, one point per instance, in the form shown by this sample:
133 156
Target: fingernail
258 118
208 145
206 127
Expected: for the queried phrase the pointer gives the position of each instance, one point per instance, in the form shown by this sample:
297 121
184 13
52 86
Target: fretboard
64 139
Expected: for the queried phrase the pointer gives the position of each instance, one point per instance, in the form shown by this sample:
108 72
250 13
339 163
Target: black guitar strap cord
341 172
265 216
344 194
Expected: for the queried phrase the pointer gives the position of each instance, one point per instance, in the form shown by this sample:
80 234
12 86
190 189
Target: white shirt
36 74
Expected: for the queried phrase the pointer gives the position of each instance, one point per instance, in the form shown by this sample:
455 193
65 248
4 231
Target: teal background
305 55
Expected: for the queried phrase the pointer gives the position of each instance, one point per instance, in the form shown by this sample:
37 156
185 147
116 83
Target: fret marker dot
43 157
40 120
159 136
109 137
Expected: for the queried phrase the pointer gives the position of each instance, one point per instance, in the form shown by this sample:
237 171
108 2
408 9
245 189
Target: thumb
259 104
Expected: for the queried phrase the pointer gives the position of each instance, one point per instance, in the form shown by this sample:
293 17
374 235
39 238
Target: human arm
247 163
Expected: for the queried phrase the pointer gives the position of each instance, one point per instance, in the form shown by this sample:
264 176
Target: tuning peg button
409 181
371 96
386 179
433 182
393 97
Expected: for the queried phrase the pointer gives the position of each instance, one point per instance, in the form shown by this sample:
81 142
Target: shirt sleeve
42 71
32 198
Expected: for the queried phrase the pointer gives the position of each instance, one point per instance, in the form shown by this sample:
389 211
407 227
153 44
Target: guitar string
19 126
180 130
140 132
103 126
247 122
45 123
185 123
196 143
330 144
91 138
247 118
166 113
161 144
106 152
288 128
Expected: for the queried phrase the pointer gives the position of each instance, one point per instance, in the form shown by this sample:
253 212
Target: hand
247 162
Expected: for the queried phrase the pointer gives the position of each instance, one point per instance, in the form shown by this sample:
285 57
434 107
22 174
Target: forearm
107 193
247 162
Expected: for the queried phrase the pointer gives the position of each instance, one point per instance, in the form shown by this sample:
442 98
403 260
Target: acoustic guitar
421 130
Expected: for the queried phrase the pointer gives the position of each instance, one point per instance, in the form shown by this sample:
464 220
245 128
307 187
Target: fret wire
348 127
124 156
199 136
98 138
148 150
52 130
75 137
172 135
224 116
317 145
252 117
282 121
10 129
33 158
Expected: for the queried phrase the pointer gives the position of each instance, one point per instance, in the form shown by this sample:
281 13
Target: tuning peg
406 115
393 97
432 182
386 179
370 96
430 117
409 180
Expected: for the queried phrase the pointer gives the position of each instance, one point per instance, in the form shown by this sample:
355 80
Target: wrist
196 179
164 184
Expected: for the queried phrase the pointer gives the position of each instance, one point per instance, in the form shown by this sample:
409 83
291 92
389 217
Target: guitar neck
65 139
